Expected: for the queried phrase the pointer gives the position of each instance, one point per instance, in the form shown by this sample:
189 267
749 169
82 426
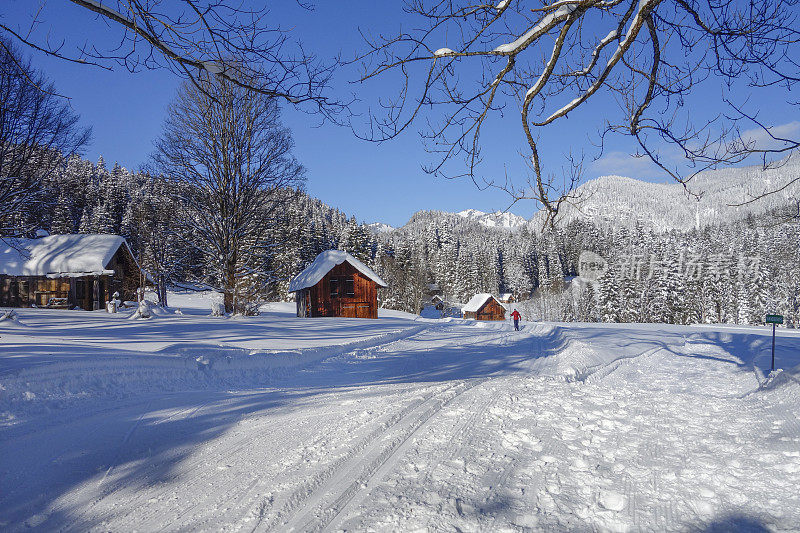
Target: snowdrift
180 367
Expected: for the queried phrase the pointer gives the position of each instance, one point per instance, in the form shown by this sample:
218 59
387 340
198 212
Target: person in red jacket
516 316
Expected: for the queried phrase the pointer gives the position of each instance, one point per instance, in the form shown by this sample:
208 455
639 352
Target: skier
516 316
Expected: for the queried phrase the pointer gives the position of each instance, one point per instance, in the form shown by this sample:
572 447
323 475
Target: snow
546 21
475 303
499 219
622 201
379 227
59 255
323 263
613 34
109 11
275 423
635 25
214 67
443 52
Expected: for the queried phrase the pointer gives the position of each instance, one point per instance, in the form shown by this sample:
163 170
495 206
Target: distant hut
484 306
434 290
337 284
507 298
66 271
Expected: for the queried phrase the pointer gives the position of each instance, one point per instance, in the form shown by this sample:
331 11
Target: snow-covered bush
145 310
217 309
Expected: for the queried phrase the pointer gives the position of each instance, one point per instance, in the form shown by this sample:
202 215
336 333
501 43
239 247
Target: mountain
379 227
621 201
502 220
711 198
465 220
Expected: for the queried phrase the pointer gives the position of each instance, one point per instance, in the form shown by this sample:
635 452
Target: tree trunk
230 288
162 291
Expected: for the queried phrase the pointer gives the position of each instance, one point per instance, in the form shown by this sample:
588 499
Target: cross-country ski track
438 425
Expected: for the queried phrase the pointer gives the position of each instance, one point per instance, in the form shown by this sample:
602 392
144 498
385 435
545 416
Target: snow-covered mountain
379 227
499 219
468 218
621 201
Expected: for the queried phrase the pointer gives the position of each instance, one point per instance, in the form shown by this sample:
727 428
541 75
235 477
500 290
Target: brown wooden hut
484 306
67 271
337 284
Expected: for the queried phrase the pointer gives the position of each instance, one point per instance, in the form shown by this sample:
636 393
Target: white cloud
761 140
624 164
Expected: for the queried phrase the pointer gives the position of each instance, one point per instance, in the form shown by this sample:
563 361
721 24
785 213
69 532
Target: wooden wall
491 310
317 301
86 292
126 278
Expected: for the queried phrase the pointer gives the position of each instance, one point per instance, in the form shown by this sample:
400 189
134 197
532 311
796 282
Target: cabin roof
476 302
58 256
323 264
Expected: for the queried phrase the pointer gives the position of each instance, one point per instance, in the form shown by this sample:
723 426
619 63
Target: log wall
491 310
86 292
343 292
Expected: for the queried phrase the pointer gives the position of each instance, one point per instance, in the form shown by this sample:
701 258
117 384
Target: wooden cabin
67 271
337 284
507 298
484 306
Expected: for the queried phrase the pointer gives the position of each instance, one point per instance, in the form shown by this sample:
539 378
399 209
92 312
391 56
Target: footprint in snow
611 500
705 492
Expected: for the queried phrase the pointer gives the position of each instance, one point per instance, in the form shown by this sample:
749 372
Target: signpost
774 320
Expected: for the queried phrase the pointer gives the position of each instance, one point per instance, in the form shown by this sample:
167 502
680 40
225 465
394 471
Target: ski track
360 488
655 436
191 466
239 496
309 499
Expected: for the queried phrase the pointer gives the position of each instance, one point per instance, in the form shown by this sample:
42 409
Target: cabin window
22 289
349 287
334 287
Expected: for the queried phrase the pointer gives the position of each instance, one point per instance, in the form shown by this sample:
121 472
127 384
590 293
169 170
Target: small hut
66 271
484 306
337 284
507 298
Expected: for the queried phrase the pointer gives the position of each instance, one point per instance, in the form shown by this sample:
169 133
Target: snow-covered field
190 422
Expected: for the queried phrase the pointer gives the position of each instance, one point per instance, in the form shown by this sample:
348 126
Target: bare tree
472 60
191 38
38 132
226 147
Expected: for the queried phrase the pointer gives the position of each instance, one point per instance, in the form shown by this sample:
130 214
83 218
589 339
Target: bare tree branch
196 37
480 58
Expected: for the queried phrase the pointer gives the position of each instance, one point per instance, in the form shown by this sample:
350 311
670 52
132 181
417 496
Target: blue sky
375 182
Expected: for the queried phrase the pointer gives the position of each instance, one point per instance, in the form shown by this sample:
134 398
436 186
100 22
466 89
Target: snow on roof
59 255
506 295
323 264
476 302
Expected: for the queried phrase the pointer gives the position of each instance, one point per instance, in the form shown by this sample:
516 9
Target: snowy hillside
621 201
273 423
502 220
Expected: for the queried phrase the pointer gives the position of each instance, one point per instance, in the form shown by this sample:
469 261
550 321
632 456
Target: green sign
774 319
